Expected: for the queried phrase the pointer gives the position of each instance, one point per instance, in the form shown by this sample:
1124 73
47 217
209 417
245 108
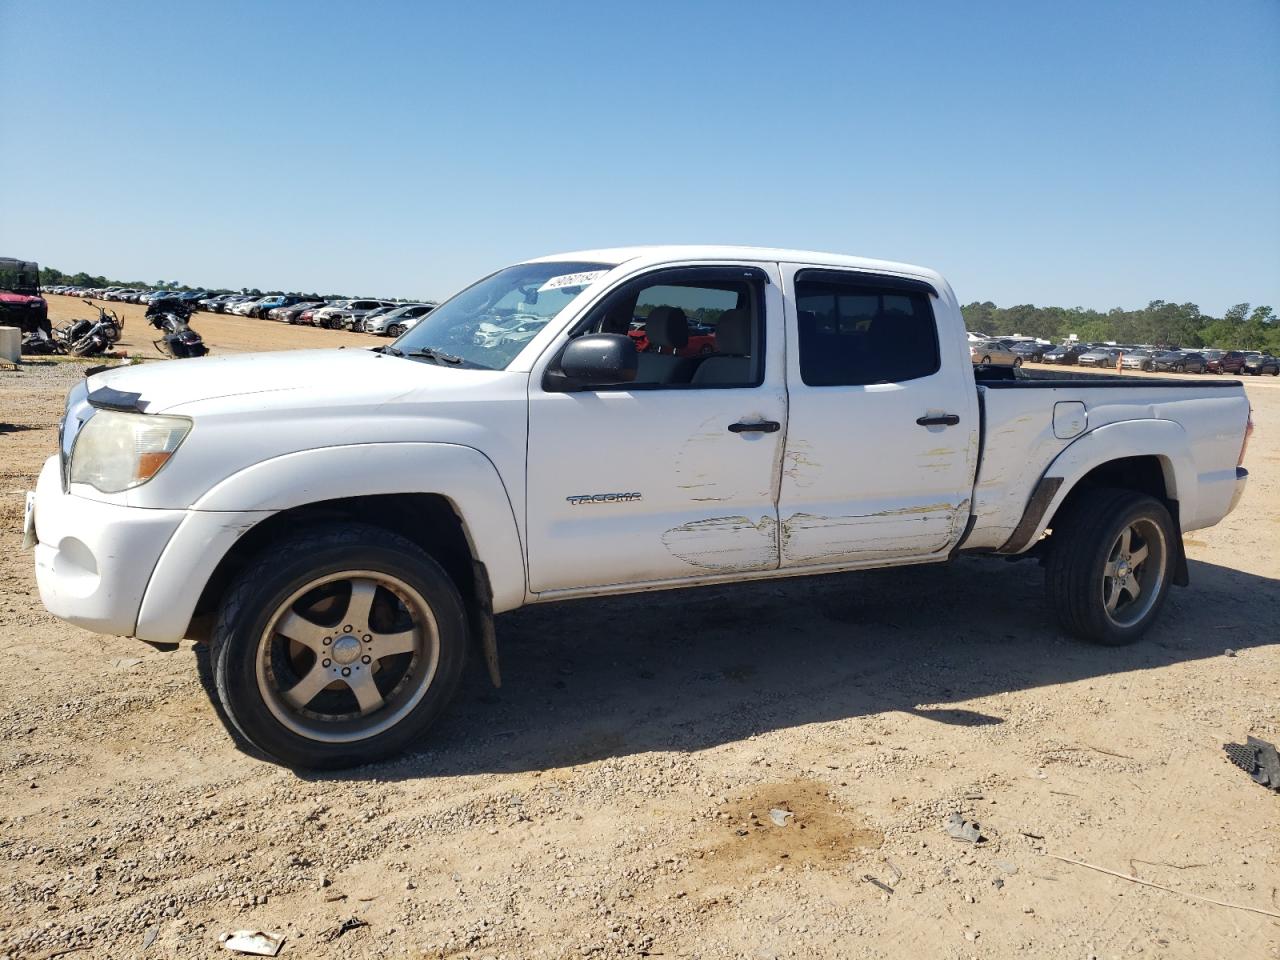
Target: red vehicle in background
21 305
1231 361
702 339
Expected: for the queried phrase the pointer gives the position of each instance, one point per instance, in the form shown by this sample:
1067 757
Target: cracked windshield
486 325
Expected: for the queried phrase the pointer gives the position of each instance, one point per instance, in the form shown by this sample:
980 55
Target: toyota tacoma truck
341 526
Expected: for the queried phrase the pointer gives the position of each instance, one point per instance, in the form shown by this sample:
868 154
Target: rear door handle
760 426
942 420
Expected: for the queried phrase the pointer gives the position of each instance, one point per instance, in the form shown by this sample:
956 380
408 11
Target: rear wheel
1110 560
1017 361
338 647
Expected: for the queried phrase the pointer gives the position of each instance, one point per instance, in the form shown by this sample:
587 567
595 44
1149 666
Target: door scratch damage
899 532
725 543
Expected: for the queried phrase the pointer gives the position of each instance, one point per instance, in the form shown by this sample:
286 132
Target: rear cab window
857 329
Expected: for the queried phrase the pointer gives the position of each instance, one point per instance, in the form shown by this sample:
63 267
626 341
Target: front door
882 437
674 476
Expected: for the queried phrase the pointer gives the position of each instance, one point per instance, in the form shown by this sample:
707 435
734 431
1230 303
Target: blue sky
1082 153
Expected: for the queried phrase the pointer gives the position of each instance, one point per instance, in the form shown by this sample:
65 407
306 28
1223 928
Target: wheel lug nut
328 640
327 663
367 638
347 628
346 671
366 659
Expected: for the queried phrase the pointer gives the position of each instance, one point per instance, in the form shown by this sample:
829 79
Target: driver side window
690 328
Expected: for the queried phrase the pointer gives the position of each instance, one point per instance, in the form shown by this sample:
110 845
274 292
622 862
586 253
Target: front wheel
1017 362
1111 556
395 330
340 646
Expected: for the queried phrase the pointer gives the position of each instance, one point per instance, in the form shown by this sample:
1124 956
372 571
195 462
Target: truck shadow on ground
693 669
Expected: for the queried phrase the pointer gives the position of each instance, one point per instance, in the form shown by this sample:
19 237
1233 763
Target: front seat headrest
667 327
733 333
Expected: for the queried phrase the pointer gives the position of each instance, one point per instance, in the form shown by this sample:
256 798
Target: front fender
463 475
1164 439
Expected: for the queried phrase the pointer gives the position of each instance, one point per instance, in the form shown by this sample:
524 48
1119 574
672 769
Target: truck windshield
488 323
19 276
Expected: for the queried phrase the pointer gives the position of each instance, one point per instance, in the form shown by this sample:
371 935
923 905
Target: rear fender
1164 439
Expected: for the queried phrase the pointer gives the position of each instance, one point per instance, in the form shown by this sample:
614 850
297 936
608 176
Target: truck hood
275 379
7 297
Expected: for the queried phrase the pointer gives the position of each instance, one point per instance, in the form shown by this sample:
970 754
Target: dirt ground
614 798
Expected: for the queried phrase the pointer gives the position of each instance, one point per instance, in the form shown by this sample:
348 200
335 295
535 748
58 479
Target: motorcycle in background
89 338
173 316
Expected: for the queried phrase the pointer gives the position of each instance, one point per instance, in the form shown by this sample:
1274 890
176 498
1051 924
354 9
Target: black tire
1017 362
1179 368
1080 548
245 654
84 347
395 330
986 359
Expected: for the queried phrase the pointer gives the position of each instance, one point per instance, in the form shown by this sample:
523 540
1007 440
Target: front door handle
760 426
941 420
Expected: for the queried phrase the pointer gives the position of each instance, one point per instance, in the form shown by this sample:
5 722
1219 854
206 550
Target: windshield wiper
439 356
389 349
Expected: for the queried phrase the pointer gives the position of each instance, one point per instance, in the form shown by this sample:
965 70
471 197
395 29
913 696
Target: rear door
674 476
882 435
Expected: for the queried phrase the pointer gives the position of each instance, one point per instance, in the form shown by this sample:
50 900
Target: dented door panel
861 479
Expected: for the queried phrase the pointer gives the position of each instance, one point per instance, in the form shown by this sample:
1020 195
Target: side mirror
597 360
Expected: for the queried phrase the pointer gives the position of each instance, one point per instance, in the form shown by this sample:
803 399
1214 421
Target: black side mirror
597 360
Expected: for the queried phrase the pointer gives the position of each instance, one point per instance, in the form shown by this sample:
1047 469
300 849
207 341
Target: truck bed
1176 422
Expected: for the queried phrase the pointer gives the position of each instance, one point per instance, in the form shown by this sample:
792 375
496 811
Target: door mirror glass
598 360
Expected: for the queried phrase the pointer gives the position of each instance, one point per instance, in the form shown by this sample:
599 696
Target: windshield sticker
572 280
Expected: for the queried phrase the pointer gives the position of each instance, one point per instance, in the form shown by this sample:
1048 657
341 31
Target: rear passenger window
693 327
854 332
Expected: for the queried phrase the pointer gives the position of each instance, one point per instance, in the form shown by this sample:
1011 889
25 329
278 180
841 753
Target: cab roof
662 253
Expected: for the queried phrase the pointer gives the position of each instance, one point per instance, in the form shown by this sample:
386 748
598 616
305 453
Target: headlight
117 451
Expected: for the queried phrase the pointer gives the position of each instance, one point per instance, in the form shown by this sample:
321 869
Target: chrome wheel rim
347 656
1134 572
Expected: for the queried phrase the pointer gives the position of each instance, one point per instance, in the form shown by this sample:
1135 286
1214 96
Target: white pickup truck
344 524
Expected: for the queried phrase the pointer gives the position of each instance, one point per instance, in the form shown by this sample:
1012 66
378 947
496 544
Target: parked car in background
331 313
214 304
1099 357
1029 350
1256 364
245 307
701 338
993 353
352 316
289 313
260 308
1065 354
392 323
1136 360
1177 361
1228 361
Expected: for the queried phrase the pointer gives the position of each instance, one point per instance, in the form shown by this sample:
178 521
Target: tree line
1159 323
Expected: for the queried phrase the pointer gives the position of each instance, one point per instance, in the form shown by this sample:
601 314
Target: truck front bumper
93 560
127 571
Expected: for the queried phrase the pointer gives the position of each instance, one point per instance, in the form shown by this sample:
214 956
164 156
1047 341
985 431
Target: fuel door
1070 419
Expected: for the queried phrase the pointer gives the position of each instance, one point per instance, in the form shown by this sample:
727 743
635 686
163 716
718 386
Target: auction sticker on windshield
572 280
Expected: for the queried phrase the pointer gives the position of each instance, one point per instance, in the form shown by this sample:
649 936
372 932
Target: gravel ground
614 798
